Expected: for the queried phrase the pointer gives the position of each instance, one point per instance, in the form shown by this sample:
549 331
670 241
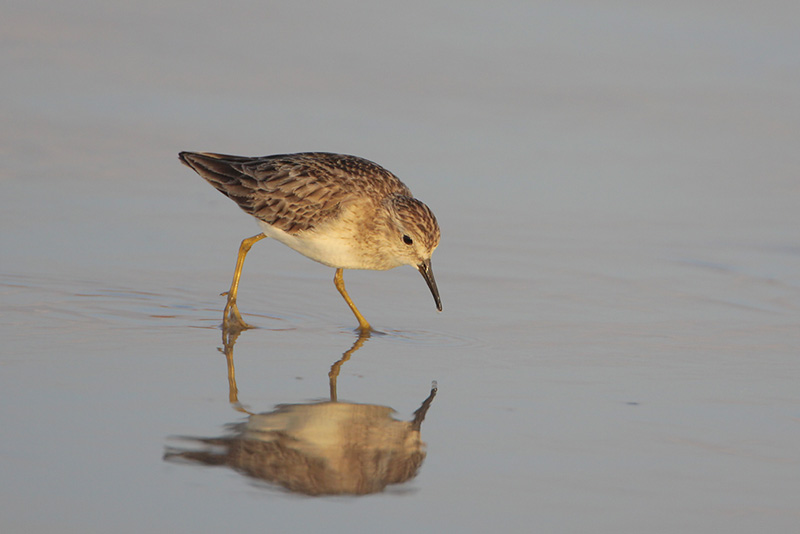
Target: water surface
617 187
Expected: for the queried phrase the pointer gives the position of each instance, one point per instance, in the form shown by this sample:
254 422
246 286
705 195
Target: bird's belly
327 248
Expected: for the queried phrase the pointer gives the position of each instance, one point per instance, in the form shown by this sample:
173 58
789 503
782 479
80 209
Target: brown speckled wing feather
294 192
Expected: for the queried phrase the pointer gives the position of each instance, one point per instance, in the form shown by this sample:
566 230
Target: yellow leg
231 318
338 280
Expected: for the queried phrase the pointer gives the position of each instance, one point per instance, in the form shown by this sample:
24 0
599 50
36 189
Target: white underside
330 248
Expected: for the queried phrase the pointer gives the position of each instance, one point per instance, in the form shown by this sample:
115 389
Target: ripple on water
69 301
429 338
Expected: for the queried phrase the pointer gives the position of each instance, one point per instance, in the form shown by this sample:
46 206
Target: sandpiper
342 211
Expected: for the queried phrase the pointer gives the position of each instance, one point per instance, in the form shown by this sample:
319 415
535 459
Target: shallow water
617 188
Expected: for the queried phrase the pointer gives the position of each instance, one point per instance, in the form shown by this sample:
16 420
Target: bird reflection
318 448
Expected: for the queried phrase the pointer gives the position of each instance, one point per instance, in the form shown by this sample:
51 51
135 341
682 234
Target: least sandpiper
342 211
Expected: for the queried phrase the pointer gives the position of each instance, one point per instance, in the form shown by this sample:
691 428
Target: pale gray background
618 186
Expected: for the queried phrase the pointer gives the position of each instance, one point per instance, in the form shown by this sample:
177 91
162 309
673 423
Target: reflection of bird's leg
338 281
231 318
334 373
419 415
228 341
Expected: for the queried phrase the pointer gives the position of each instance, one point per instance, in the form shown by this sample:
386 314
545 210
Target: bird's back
295 192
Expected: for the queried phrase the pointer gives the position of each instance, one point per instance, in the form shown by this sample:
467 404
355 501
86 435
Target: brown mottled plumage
342 211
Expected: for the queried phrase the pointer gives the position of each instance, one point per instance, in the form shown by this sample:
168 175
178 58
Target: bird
342 211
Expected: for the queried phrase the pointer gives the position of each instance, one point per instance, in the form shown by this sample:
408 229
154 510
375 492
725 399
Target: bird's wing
294 192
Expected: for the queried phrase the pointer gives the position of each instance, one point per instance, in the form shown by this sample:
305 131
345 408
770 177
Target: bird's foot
232 320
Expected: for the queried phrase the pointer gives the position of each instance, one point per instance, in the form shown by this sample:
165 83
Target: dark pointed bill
427 273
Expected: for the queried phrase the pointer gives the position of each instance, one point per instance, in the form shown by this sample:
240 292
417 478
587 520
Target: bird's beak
426 271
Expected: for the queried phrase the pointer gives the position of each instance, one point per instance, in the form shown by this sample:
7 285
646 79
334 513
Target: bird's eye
407 240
